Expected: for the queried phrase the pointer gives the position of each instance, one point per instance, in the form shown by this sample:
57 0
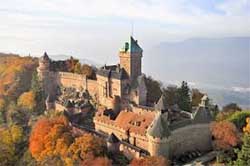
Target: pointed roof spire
159 127
162 104
50 99
45 56
112 138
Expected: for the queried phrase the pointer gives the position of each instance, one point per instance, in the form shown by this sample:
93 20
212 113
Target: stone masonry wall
67 79
190 138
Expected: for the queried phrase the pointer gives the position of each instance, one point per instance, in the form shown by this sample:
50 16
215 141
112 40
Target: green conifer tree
36 87
184 100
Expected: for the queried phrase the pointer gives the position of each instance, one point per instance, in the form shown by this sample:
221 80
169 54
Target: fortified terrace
120 94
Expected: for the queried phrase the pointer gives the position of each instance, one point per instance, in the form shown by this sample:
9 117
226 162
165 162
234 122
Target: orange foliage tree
149 161
27 100
50 137
86 146
11 66
225 134
98 161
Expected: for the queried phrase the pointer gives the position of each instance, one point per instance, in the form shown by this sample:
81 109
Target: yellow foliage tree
27 100
246 129
9 138
2 104
85 146
16 133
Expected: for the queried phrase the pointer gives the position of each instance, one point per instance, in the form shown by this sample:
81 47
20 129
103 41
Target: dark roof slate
113 72
112 138
50 98
45 57
161 104
202 115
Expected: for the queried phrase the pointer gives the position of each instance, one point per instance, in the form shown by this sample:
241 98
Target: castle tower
43 72
158 133
50 102
130 58
43 68
113 143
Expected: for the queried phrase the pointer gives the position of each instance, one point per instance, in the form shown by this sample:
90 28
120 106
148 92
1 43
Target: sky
95 29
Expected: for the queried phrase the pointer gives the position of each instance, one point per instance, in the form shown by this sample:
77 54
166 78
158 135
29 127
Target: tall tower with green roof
130 58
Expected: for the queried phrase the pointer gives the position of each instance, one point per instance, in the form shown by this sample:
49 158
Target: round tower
113 143
50 102
43 72
43 68
116 105
157 134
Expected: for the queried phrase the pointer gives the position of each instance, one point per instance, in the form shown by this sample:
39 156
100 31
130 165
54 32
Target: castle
132 126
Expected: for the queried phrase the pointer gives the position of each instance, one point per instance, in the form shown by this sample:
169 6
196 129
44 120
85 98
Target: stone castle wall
190 138
72 80
92 87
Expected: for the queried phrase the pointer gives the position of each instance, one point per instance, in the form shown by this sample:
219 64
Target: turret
50 102
43 68
113 143
158 133
43 72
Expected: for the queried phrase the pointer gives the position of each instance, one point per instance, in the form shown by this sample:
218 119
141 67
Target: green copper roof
131 46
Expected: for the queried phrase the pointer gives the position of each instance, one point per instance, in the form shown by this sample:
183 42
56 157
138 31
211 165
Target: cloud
241 89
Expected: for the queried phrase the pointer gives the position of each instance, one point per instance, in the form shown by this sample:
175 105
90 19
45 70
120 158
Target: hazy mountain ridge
220 66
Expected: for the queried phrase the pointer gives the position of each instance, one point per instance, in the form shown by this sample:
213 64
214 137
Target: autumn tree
27 100
98 161
2 110
85 146
171 94
196 97
2 104
71 63
88 71
154 90
246 129
16 115
11 137
239 118
231 107
77 68
50 138
225 135
149 161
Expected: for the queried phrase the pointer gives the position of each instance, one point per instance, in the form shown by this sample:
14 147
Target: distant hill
83 61
213 64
